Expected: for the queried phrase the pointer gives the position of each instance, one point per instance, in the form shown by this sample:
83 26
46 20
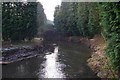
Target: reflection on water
52 68
21 68
67 61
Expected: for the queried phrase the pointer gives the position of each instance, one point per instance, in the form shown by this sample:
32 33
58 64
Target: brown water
67 61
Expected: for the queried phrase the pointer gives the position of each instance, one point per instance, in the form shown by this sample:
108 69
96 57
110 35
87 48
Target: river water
67 61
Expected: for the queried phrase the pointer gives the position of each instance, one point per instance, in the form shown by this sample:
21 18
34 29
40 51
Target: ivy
110 14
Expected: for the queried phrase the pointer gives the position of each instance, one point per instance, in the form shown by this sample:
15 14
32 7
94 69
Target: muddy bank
10 55
98 61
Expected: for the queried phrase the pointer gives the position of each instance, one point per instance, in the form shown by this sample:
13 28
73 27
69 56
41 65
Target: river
67 61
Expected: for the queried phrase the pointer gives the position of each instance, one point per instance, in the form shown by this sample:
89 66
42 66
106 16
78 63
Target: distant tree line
19 20
88 19
75 19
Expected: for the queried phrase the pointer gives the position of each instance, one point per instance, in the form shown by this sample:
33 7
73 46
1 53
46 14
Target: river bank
69 60
98 62
21 51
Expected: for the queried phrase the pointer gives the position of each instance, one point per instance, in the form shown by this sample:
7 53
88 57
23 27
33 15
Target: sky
49 7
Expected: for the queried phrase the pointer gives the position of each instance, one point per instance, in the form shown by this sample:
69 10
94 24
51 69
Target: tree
77 19
82 22
91 19
93 23
19 20
41 19
110 19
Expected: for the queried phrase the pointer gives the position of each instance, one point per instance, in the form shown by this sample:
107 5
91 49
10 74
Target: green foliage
76 19
83 19
61 17
93 22
89 19
64 21
19 20
110 22
41 19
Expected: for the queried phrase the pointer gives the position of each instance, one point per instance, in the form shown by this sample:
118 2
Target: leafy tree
66 19
41 19
72 20
93 23
60 19
110 19
89 19
77 19
19 20
82 22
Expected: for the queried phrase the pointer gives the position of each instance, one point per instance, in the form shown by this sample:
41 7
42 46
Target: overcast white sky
49 7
